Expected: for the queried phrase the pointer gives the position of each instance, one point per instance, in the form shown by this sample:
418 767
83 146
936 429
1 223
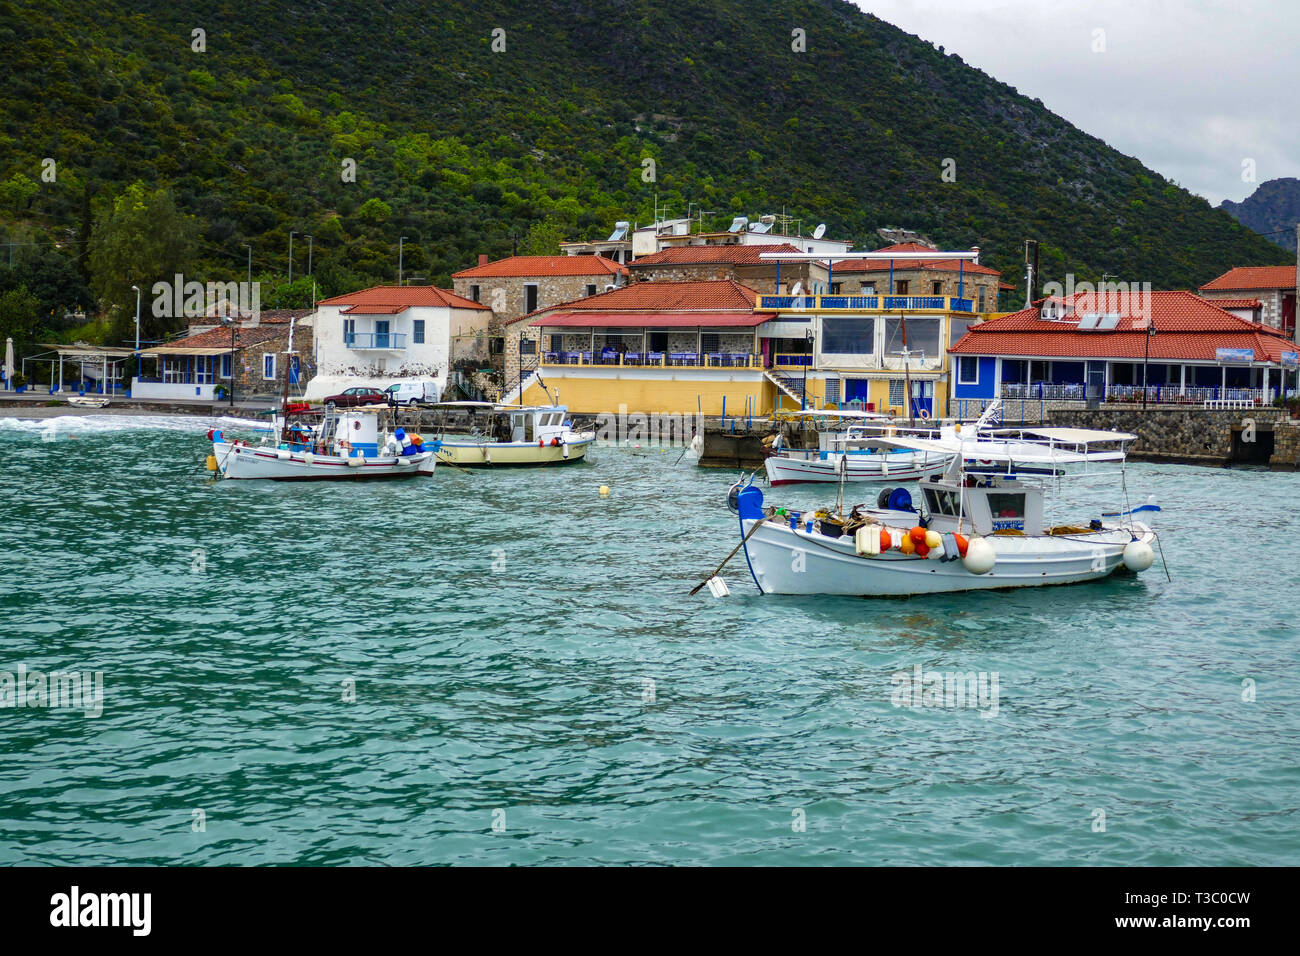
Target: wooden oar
695 590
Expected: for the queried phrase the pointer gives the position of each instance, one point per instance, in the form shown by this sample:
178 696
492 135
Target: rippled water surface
524 654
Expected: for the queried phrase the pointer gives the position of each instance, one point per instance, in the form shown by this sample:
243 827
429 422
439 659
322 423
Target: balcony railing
865 303
1132 394
657 359
384 341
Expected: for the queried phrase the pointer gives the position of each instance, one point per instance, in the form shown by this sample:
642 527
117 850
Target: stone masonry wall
1192 436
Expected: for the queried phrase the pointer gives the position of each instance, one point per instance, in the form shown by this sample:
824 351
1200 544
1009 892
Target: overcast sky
1192 88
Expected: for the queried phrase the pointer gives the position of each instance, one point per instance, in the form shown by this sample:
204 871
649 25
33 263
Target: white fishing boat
350 444
308 444
87 401
979 525
847 453
512 435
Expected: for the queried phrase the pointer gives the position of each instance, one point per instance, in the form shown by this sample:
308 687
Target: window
968 371
349 331
417 331
268 366
496 345
896 393
936 288
530 297
1006 506
528 347
836 287
868 288
832 391
709 342
922 338
900 287
657 341
474 293
855 336
940 502
981 299
591 289
225 366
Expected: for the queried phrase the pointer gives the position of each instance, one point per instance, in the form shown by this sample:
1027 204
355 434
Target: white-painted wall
449 334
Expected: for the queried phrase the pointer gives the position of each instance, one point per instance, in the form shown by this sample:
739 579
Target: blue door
855 390
923 399
381 333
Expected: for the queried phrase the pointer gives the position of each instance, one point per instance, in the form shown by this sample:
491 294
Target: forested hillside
174 148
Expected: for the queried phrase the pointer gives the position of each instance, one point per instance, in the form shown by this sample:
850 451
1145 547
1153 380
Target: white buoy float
980 557
1138 556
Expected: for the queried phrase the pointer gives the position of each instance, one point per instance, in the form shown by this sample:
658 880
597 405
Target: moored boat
513 435
979 525
846 453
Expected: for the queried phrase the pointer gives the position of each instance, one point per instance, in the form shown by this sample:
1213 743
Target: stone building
734 263
1273 286
518 285
976 282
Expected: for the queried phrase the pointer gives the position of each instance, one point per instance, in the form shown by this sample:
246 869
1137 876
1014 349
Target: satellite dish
819 231
798 288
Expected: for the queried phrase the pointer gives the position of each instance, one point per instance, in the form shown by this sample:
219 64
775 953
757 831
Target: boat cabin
530 424
985 503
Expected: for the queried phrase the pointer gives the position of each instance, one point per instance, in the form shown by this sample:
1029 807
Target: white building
384 334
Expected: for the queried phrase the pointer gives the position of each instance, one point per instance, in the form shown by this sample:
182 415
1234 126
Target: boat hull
263 462
787 561
508 454
907 466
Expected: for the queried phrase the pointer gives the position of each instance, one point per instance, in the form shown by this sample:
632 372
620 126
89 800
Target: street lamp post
310 242
400 243
291 235
137 330
1151 331
803 397
250 266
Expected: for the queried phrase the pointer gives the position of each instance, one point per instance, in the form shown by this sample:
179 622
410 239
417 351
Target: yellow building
719 347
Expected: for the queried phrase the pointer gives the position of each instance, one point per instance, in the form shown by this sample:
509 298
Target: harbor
538 656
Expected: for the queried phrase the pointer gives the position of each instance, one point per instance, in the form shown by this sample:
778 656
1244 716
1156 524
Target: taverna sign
194 299
1234 355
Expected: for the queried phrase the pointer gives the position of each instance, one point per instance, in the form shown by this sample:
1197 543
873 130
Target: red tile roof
910 265
1188 328
1253 277
527 267
1237 303
245 336
707 255
391 299
654 320
722 295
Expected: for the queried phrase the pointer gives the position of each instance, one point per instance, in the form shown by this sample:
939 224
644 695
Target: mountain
252 122
1272 210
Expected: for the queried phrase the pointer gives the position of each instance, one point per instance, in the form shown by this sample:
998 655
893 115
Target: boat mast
907 372
284 399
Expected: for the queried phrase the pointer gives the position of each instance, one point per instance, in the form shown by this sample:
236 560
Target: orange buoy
922 549
907 545
917 535
886 541
961 544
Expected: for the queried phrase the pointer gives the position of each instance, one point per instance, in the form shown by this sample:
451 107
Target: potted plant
20 382
221 392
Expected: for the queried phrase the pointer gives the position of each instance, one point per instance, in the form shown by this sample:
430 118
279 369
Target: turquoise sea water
524 654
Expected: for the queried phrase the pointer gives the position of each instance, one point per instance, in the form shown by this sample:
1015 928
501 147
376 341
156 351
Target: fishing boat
980 524
847 453
87 401
347 444
511 435
330 444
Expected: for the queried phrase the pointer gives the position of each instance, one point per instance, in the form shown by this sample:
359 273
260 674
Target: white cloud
1189 87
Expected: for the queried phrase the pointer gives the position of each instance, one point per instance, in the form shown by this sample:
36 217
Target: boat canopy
1008 450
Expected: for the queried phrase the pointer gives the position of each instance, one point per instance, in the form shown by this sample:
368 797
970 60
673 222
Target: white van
412 392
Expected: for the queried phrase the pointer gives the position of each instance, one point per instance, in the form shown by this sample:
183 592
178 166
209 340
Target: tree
543 238
139 238
16 192
19 313
51 276
374 211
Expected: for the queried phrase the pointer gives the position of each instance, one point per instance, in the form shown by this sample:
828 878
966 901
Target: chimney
482 258
976 250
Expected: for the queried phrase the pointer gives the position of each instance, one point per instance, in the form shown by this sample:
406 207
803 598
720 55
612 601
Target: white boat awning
997 449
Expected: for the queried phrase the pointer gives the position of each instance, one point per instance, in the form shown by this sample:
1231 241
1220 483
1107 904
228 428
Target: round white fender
308 458
282 454
1138 556
980 557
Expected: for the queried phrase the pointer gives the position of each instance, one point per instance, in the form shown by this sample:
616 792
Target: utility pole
250 266
291 235
400 243
310 240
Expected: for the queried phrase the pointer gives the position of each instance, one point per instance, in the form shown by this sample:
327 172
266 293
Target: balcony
375 341
864 303
657 359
